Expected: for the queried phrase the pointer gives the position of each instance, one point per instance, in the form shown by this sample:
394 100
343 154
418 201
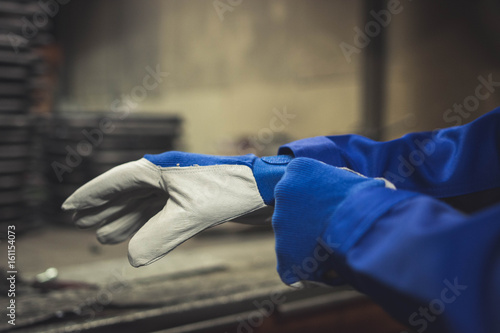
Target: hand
307 197
166 199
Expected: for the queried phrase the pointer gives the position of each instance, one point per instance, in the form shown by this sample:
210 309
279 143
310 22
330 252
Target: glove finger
95 216
123 178
120 228
165 231
118 206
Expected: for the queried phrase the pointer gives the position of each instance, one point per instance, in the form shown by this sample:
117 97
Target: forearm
443 163
430 266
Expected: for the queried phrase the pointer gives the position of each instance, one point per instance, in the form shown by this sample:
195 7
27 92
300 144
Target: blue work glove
307 198
165 199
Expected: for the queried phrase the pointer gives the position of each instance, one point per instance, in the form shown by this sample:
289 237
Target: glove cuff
268 171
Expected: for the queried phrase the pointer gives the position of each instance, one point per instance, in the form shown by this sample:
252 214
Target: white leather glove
168 198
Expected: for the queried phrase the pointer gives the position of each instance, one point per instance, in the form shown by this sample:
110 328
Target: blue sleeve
443 163
432 267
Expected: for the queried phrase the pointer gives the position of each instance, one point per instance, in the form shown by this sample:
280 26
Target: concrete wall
230 70
437 50
226 75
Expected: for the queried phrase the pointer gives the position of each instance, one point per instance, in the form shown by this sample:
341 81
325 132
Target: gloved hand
308 197
168 198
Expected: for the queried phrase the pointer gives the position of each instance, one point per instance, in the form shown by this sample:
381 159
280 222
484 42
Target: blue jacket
429 253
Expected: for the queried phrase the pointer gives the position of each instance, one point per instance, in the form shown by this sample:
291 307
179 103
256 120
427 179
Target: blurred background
86 85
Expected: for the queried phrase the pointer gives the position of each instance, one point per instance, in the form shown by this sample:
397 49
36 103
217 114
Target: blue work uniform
429 252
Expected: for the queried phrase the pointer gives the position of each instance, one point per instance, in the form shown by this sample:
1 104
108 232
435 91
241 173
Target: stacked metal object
79 147
19 33
45 159
27 21
16 60
16 134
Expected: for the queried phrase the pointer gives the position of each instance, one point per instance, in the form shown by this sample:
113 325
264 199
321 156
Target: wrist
268 171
